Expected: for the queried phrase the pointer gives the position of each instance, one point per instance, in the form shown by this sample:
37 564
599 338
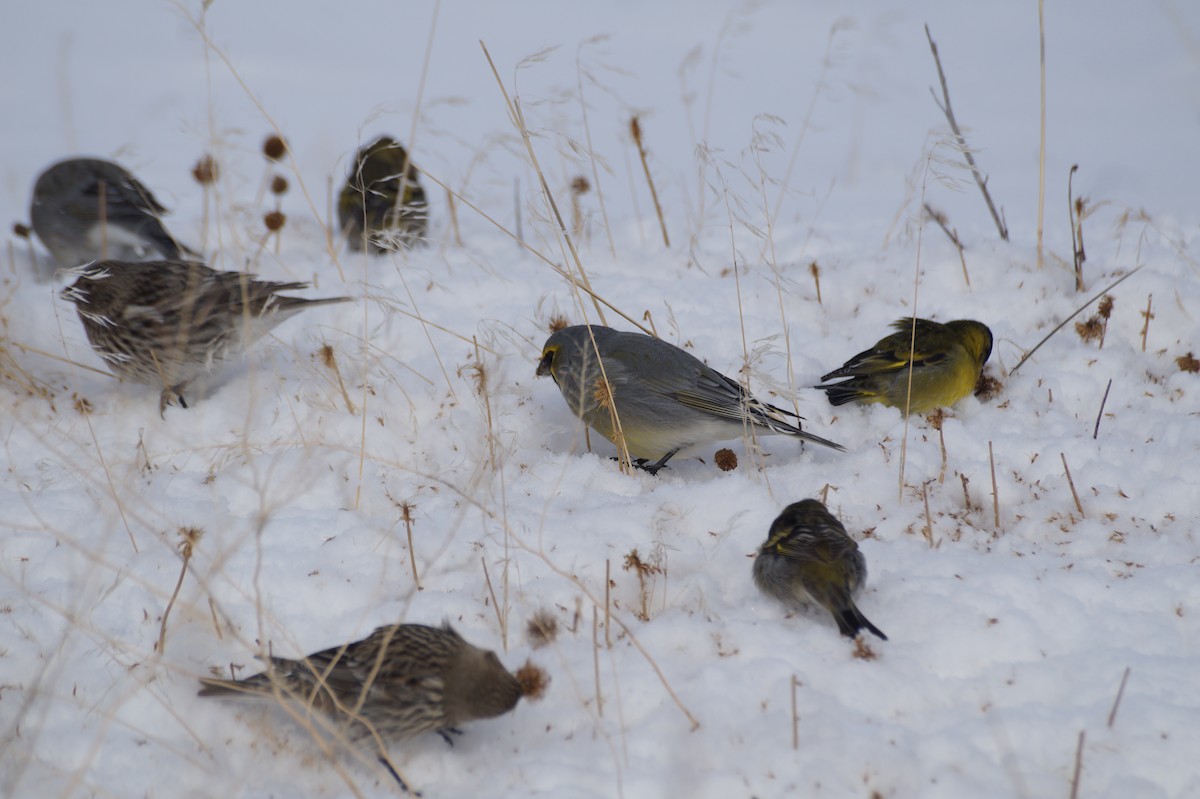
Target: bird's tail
848 391
779 420
851 620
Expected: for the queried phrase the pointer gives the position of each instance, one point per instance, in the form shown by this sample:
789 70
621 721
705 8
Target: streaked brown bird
382 206
165 323
945 360
87 208
401 681
809 559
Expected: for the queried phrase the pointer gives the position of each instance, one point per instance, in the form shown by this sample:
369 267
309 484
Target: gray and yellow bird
809 559
85 209
663 399
382 206
945 360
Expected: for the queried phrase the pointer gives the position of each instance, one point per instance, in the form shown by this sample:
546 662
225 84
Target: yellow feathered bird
382 206
946 361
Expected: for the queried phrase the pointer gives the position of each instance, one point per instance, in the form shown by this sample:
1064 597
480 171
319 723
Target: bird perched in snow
945 360
401 681
382 207
664 399
808 559
84 209
164 323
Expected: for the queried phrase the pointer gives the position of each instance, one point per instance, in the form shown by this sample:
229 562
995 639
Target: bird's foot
445 733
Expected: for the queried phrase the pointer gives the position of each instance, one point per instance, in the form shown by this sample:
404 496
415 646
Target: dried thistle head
863 650
325 354
189 537
21 230
1188 363
279 185
987 388
542 629
938 416
274 147
1091 330
726 460
274 220
1104 310
533 681
558 322
206 171
580 185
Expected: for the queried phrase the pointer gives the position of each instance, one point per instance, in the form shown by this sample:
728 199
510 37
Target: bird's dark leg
445 733
653 468
399 781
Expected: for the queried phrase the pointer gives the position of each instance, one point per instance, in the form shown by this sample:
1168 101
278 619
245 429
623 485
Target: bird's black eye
544 366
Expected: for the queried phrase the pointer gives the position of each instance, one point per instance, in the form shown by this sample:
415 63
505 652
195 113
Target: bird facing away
664 399
382 206
86 209
401 681
946 362
808 559
165 323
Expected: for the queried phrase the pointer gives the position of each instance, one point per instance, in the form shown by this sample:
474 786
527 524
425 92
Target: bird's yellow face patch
546 365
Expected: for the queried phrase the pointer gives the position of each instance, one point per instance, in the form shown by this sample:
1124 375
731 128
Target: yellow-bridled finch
86 208
664 399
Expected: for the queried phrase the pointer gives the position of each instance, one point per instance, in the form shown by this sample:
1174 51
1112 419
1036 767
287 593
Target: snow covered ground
1008 640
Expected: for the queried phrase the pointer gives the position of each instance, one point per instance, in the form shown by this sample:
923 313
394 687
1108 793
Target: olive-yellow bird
945 360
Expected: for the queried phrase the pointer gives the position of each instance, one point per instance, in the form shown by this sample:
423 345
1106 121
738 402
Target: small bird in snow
382 206
165 323
944 361
808 559
401 681
662 399
85 209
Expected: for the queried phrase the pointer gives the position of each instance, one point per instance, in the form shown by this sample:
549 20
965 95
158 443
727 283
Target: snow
1007 641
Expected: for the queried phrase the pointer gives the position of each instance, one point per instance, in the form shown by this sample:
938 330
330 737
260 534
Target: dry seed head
188 538
20 230
1105 307
326 356
987 388
279 185
557 323
635 129
542 628
274 220
580 185
726 460
863 650
274 147
1188 363
533 681
206 170
1091 330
